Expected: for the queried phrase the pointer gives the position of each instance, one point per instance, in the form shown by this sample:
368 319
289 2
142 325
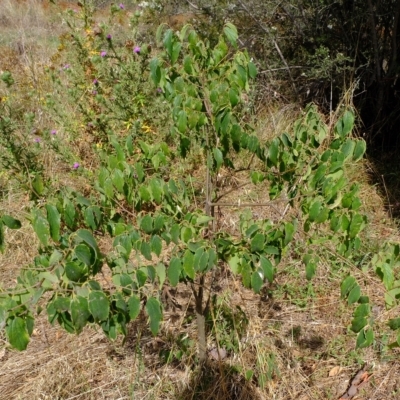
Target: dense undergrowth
148 181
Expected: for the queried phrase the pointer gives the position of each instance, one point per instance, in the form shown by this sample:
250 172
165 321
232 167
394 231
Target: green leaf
156 190
146 224
145 249
37 184
10 222
156 245
234 264
347 284
75 271
134 307
311 267
231 33
314 211
257 280
233 97
257 243
17 333
54 220
394 324
144 194
252 70
359 150
174 271
99 305
345 124
188 264
354 294
273 152
181 123
348 148
83 253
358 323
176 49
161 273
268 268
153 309
41 227
69 214
362 310
356 225
218 157
365 338
289 233
155 71
80 313
186 234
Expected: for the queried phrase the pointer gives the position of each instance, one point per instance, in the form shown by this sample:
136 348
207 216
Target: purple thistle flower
76 165
95 81
109 37
136 50
121 6
53 132
94 92
37 140
103 53
66 66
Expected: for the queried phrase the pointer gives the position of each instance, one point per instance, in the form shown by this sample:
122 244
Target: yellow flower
147 128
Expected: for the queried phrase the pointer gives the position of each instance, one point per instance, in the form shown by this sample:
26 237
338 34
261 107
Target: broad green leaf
252 70
54 220
88 238
99 305
181 123
80 313
69 213
271 250
394 324
359 150
365 338
153 309
268 268
231 33
156 245
17 333
174 271
144 194
186 234
234 264
188 261
118 180
257 280
354 294
203 263
356 225
314 210
187 64
358 323
273 152
161 273
233 97
83 253
134 307
289 233
156 190
362 310
176 49
92 217
155 71
218 157
37 184
41 228
10 222
75 271
257 243
145 249
175 232
348 148
345 124
146 224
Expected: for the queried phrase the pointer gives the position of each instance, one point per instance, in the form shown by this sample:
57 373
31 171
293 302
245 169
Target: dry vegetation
297 332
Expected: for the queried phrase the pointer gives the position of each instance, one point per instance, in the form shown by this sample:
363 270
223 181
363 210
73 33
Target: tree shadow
219 381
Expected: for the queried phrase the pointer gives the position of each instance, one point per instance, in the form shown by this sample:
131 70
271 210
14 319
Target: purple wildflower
66 66
95 81
121 6
94 92
159 90
76 165
37 139
103 53
109 37
136 50
53 132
